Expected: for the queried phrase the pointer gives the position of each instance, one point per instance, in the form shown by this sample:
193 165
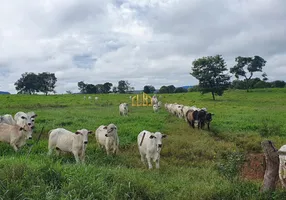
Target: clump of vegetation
269 128
231 165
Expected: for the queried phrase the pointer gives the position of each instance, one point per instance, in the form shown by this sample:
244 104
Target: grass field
195 164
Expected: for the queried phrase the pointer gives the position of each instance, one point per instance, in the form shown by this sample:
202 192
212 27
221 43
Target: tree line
123 87
211 72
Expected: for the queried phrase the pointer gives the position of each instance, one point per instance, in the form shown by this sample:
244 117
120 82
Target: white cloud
142 41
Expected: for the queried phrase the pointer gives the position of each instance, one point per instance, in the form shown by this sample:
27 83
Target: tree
264 75
163 89
123 86
210 73
47 82
106 87
252 65
149 89
278 84
82 87
171 88
180 90
114 89
28 83
69 92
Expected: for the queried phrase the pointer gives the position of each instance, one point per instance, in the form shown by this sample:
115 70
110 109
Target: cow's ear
152 136
164 135
212 114
89 132
105 127
21 128
77 132
34 116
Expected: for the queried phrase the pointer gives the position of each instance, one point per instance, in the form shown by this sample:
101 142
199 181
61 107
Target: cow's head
157 136
27 131
23 120
84 133
111 130
209 117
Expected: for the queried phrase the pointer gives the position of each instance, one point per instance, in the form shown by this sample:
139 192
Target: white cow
96 98
155 108
150 145
66 141
89 97
106 136
15 135
32 115
154 100
22 118
84 97
123 109
282 165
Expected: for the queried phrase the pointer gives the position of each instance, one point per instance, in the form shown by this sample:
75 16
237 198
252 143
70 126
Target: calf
15 135
66 141
106 136
150 145
192 117
282 165
123 109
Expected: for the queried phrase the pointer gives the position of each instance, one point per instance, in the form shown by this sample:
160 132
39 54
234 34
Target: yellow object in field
144 101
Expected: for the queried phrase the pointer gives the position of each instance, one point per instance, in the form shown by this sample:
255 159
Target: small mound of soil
254 167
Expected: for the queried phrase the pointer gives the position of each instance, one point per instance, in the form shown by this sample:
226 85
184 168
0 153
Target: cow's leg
193 123
107 149
149 162
157 163
208 126
75 153
142 157
82 156
14 147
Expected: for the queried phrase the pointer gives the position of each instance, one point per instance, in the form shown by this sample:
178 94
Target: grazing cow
66 141
155 108
282 165
130 97
150 145
154 100
96 98
192 117
89 97
123 109
84 97
106 136
15 135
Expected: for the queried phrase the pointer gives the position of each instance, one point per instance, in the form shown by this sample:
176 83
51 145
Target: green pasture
195 164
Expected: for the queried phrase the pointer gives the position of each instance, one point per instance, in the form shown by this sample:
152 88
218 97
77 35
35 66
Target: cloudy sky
142 41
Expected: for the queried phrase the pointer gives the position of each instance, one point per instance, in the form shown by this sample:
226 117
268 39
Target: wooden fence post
272 166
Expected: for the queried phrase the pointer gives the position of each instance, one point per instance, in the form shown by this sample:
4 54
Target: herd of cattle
16 130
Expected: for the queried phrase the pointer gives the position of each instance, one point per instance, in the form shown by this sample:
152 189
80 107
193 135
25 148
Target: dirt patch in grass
254 167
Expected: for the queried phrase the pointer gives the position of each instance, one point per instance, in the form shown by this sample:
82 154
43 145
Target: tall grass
195 164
